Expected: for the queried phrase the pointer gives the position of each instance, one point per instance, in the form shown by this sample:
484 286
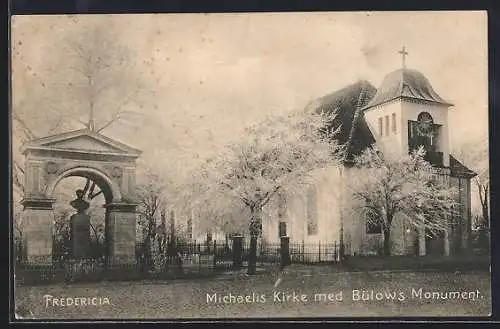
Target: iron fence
175 260
180 260
299 252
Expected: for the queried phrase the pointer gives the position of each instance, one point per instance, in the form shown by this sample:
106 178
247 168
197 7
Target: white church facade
405 112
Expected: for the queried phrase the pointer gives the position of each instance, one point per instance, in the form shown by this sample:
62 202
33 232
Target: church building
405 112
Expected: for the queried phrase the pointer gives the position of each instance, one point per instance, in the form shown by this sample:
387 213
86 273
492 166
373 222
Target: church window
281 205
411 133
282 229
312 218
373 228
281 215
394 122
424 132
373 225
380 126
387 125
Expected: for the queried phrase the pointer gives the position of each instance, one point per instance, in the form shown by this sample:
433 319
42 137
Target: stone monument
80 227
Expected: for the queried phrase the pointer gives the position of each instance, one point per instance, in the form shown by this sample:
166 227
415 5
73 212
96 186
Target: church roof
460 170
349 127
345 108
406 83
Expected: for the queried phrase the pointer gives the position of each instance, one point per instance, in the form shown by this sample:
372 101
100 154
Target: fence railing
300 252
179 260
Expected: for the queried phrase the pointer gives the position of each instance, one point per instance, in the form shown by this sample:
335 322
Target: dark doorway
434 243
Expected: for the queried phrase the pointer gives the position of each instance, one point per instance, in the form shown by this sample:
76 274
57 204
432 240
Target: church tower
406 113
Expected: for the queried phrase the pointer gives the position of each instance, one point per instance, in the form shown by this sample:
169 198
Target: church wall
327 188
335 206
357 241
462 229
392 142
457 225
439 113
466 212
270 222
327 209
328 206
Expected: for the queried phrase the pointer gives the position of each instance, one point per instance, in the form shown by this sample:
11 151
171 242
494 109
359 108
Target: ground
188 299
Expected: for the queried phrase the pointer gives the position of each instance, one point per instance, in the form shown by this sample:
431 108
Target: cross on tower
403 53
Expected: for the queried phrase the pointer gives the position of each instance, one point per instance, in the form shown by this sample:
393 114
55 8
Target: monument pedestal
80 236
37 222
120 233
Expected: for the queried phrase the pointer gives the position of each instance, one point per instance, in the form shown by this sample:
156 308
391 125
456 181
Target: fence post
303 251
215 253
237 251
319 251
335 251
259 254
285 251
199 257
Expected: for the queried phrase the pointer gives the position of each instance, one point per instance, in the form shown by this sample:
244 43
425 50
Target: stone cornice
122 206
38 203
407 99
52 150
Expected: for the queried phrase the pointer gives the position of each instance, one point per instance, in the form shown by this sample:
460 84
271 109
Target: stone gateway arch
84 153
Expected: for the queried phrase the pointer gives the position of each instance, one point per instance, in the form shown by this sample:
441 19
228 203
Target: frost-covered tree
279 154
388 186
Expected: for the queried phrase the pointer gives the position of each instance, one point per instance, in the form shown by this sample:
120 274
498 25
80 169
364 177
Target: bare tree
280 153
102 79
474 154
90 81
62 235
388 186
152 197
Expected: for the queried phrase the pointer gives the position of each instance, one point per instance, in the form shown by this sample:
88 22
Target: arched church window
281 205
424 132
312 217
373 224
281 214
425 123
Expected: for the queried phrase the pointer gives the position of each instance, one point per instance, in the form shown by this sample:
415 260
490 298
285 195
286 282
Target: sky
206 77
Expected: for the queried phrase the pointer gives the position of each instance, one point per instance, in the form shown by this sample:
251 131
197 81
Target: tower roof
405 83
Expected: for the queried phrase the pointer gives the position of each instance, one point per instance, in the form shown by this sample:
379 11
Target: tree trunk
255 228
484 228
387 242
252 256
148 257
486 214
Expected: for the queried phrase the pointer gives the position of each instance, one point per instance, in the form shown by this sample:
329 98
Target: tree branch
117 114
93 196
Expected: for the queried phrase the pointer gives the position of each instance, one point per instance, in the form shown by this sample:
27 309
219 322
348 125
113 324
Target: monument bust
80 227
79 204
